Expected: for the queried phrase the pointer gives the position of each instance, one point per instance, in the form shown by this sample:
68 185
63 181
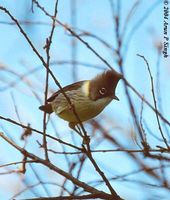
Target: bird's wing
73 86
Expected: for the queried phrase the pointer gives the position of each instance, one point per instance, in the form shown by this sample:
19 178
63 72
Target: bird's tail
46 108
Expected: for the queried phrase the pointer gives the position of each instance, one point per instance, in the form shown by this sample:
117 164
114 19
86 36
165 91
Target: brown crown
108 80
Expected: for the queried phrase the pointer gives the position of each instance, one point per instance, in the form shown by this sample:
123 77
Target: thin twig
110 151
154 99
120 64
73 40
47 47
35 172
35 185
16 163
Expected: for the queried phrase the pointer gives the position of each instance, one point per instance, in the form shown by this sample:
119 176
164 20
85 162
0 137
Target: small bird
89 98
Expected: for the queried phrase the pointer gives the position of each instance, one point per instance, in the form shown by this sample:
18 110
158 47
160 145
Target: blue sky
95 17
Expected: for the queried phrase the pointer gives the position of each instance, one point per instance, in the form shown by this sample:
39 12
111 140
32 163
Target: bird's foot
76 128
73 126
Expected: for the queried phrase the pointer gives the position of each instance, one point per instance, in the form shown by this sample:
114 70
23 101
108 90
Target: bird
89 98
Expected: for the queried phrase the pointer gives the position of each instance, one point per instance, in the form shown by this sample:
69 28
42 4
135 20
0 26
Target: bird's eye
102 91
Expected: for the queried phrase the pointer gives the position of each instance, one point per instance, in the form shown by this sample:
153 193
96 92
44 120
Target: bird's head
104 85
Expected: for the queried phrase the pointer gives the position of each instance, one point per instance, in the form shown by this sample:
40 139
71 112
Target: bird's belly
85 109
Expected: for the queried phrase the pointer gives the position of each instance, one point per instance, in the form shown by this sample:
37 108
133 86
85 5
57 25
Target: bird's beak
116 98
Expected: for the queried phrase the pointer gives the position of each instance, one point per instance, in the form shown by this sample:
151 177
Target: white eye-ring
102 91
